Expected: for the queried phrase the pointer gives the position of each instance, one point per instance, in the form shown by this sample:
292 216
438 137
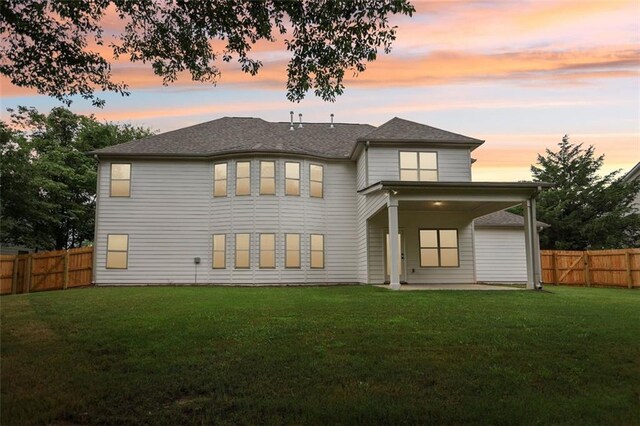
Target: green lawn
320 355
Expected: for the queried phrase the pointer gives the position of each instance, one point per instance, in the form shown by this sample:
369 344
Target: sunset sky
518 74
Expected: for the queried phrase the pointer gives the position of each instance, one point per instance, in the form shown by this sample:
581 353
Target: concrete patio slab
420 287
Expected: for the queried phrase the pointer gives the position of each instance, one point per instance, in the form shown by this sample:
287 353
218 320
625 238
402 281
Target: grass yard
320 355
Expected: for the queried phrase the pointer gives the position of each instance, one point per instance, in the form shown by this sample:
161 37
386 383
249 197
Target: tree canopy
52 45
585 210
48 182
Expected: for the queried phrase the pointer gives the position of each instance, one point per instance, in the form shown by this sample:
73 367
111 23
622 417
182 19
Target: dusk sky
518 74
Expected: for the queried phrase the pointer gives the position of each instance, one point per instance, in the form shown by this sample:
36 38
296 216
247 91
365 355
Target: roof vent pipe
300 125
291 112
332 126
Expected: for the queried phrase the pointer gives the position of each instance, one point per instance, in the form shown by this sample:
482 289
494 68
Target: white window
220 180
117 251
316 178
291 178
243 178
292 251
317 251
267 178
418 166
219 251
120 180
267 251
439 248
243 251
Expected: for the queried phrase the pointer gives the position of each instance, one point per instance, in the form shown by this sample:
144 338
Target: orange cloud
564 67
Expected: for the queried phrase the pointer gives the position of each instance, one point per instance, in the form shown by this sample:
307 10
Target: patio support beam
534 272
394 243
528 246
537 270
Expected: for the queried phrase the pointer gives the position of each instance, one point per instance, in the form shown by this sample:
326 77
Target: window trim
299 179
106 265
260 250
235 253
418 169
311 250
275 173
299 250
321 181
439 247
236 191
226 180
214 250
111 179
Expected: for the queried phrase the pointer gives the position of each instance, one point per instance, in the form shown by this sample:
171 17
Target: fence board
602 268
46 270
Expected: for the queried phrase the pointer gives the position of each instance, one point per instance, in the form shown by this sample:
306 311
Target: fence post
587 272
14 278
65 280
554 272
627 259
27 273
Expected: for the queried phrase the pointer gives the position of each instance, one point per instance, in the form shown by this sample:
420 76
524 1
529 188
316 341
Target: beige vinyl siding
166 218
367 206
500 255
172 215
453 163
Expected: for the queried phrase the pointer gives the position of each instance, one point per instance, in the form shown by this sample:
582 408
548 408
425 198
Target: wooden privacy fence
50 270
601 268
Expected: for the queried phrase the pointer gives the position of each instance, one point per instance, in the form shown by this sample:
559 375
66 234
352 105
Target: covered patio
429 229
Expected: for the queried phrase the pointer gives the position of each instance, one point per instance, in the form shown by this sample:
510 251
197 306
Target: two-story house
246 201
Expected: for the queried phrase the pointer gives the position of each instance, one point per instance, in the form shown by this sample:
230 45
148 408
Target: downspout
366 163
95 221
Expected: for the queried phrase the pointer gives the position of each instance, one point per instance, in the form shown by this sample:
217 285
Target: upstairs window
243 251
439 248
267 251
120 180
220 180
317 251
219 251
117 251
243 178
316 178
267 178
291 178
419 166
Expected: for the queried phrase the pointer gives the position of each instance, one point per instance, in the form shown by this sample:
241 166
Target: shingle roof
245 134
398 129
632 174
503 219
230 135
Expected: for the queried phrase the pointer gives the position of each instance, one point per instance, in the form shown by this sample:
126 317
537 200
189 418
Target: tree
48 182
46 43
585 210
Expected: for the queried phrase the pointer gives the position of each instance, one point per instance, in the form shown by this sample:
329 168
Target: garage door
500 255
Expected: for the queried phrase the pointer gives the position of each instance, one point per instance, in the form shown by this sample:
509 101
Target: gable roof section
503 219
397 130
230 135
632 174
233 135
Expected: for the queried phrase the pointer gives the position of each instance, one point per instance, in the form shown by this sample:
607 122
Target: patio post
529 245
394 243
537 267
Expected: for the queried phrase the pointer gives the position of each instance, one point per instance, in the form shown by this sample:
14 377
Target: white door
387 258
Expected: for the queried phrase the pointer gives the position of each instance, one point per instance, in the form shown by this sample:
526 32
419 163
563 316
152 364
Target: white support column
537 267
528 238
394 243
